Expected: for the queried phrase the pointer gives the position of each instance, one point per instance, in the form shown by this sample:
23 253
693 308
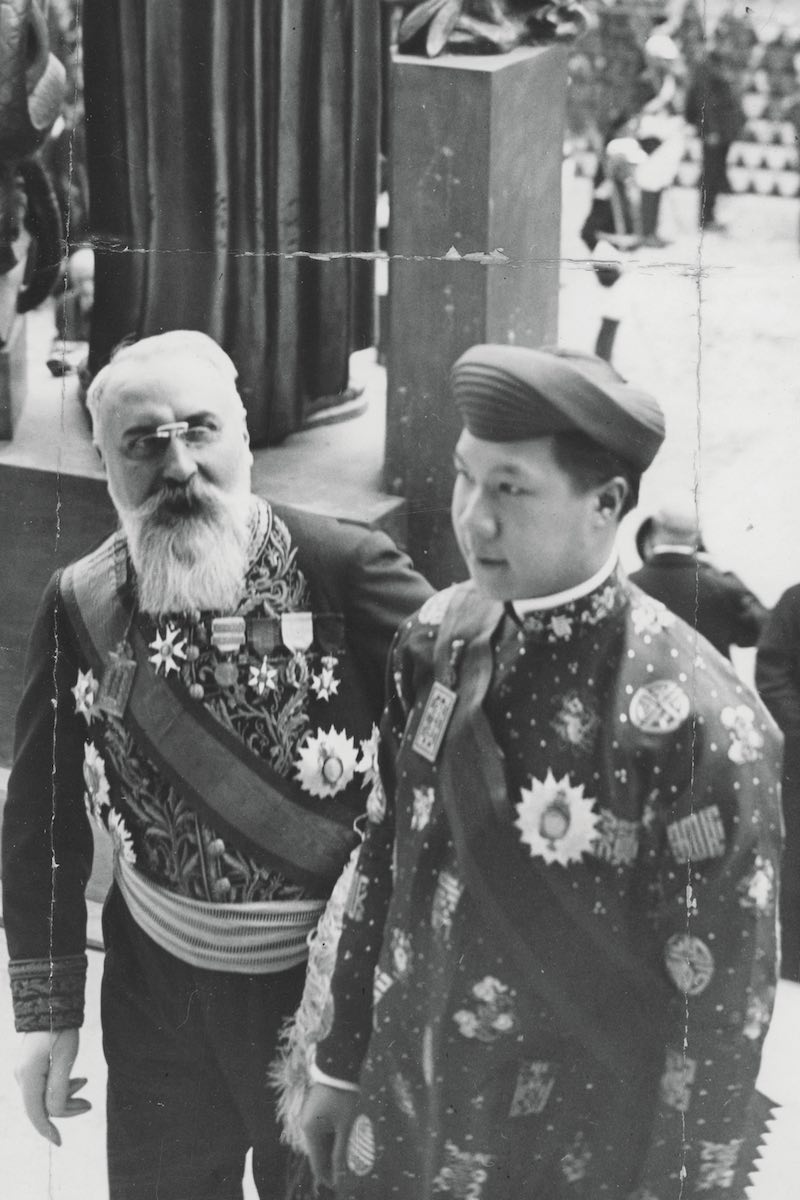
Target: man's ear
246 438
611 497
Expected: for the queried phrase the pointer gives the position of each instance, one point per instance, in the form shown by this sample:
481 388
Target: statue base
474 239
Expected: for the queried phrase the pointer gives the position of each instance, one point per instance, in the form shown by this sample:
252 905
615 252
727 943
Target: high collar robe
557 965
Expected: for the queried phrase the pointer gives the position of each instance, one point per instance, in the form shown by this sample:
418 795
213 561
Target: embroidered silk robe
570 1000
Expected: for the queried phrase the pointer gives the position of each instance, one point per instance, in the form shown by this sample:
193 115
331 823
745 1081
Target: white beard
189 548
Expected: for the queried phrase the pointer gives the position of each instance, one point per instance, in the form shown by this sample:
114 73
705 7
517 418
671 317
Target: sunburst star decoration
325 684
85 693
367 765
556 821
263 678
326 762
167 649
121 836
98 793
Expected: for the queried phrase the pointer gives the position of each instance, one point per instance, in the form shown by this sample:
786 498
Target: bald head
676 524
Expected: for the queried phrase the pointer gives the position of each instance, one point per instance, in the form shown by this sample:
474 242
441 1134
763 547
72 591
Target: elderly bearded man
572 859
205 685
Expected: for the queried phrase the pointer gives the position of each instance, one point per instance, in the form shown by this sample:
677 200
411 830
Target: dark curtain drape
227 139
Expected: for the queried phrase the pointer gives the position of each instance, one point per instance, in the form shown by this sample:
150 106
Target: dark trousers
714 178
188 1053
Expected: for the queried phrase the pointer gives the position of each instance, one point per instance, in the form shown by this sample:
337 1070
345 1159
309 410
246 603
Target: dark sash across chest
235 790
600 992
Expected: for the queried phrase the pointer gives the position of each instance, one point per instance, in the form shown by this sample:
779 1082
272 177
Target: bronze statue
31 92
488 26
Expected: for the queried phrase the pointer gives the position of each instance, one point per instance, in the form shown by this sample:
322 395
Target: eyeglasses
150 446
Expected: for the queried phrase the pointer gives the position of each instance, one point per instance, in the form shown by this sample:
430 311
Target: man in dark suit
204 687
677 572
713 108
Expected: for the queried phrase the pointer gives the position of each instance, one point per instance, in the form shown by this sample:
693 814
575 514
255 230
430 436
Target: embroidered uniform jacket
557 964
74 762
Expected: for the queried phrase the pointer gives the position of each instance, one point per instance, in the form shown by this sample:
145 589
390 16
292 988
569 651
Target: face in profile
522 525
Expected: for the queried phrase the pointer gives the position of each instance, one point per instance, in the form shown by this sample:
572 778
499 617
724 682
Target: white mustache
189 548
192 499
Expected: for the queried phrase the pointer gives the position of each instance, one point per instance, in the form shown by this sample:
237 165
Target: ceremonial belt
597 990
250 939
238 793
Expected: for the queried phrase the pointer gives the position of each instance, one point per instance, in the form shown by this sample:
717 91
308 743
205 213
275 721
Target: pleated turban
511 393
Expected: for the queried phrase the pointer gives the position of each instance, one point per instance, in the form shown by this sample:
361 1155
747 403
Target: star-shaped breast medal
556 821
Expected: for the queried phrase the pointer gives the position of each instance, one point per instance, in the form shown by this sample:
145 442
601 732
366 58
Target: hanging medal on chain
115 687
297 634
227 637
439 706
119 671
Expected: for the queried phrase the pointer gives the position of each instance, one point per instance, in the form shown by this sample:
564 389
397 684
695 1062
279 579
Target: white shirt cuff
318 1076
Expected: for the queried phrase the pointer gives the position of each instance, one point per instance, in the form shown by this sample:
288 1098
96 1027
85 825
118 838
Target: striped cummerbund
250 939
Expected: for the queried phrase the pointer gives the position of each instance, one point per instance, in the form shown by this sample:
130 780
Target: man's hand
327 1116
42 1072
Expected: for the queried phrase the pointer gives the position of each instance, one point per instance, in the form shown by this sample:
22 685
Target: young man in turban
557 963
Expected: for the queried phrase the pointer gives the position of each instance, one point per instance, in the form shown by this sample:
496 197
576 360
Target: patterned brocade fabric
637 823
48 995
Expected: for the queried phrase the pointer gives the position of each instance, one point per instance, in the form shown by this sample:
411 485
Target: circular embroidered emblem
689 962
659 707
361 1146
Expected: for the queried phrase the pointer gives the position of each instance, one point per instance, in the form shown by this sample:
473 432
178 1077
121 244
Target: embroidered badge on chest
659 707
689 963
434 721
698 836
116 684
556 821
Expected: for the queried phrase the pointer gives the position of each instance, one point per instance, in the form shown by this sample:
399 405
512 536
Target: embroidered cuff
48 994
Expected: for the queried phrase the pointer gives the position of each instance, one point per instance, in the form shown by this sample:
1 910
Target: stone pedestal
13 377
475 161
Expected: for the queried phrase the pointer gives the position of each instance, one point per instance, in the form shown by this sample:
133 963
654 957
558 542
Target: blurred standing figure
713 108
677 572
658 129
613 227
74 308
778 682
